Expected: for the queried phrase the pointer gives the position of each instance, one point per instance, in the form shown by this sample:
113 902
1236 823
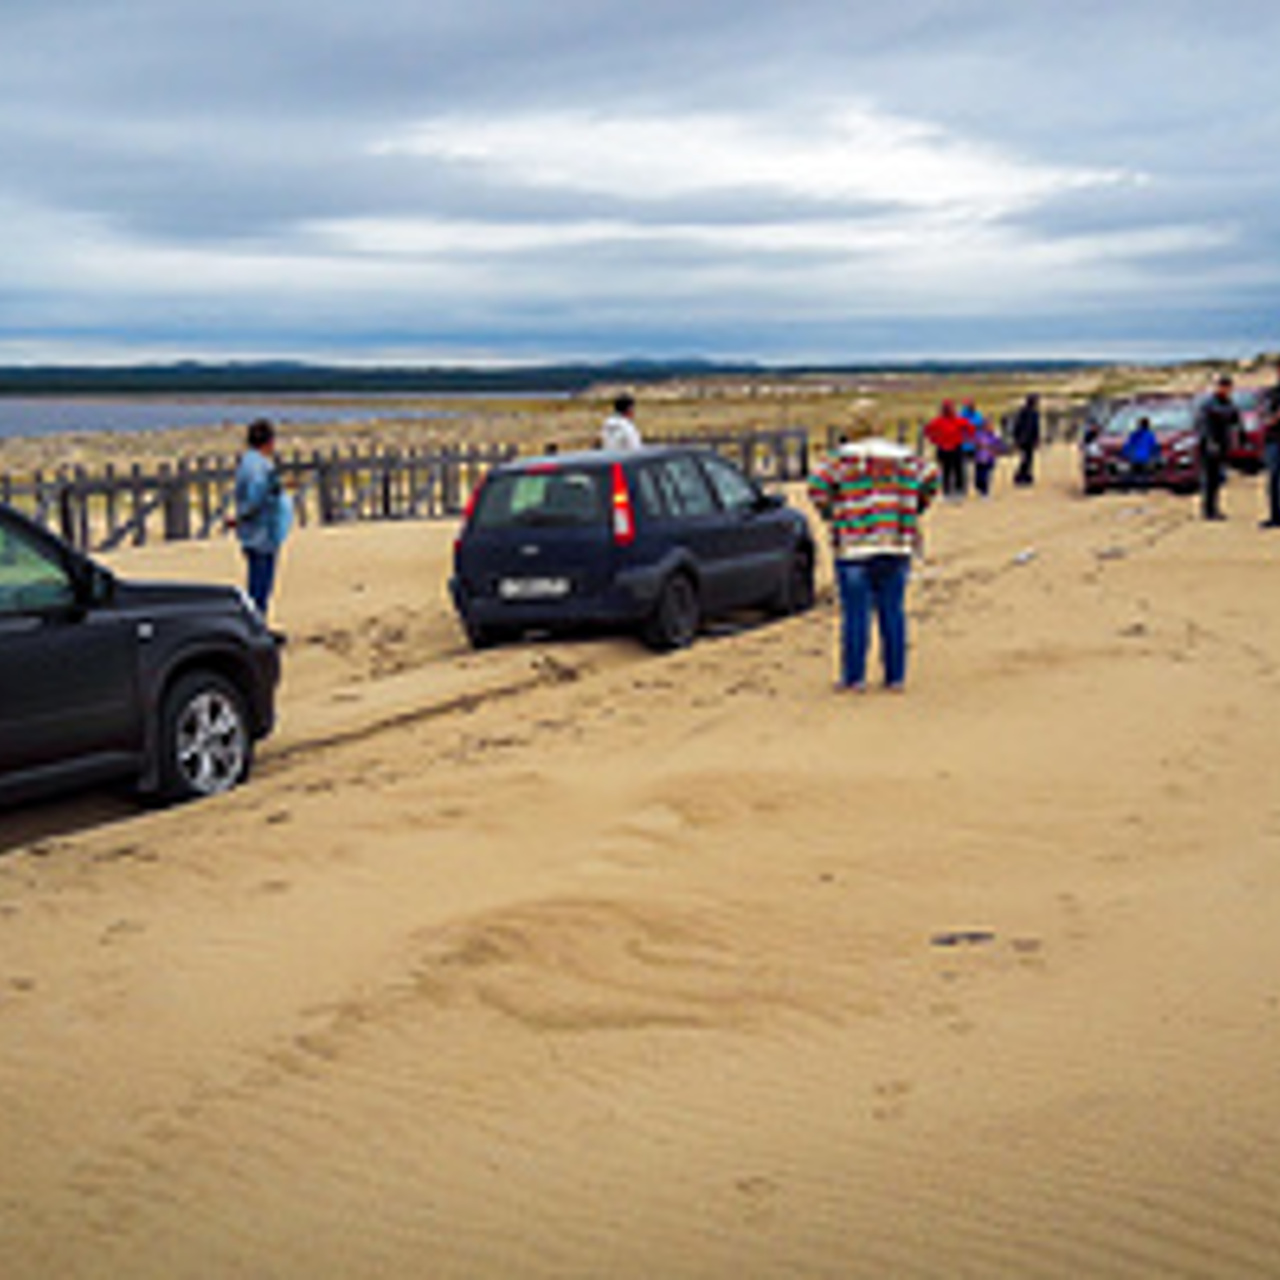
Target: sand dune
566 960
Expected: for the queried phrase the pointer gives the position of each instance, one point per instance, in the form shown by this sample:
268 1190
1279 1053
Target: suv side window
687 491
735 491
30 580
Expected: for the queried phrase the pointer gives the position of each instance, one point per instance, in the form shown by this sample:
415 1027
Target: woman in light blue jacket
263 511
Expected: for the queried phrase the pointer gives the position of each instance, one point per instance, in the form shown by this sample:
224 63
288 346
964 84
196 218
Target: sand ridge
566 960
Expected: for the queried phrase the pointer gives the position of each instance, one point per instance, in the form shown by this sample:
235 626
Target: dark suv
658 538
167 685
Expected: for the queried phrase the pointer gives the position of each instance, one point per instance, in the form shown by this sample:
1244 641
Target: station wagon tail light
467 512
624 520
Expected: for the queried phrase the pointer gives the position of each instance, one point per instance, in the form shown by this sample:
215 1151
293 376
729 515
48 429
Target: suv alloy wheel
205 743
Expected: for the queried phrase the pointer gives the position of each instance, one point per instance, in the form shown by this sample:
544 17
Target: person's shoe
858 687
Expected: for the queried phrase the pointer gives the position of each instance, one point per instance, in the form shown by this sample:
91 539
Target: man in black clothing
1216 421
1270 411
1026 439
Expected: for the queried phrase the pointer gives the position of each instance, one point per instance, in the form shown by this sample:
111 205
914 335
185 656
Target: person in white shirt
619 430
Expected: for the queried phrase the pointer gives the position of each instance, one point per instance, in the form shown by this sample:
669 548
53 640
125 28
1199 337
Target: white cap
874 447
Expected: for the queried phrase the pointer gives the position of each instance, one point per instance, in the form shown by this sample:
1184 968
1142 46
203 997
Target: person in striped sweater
871 494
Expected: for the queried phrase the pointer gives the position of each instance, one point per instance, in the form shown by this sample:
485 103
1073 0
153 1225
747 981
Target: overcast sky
499 180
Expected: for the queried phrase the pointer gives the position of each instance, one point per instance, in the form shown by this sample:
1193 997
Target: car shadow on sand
27 826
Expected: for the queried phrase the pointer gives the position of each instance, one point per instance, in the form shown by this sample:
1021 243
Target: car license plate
533 588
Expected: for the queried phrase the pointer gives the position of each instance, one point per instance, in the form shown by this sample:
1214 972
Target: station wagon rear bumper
629 599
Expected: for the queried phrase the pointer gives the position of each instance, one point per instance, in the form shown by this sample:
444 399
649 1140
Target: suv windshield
554 497
1175 415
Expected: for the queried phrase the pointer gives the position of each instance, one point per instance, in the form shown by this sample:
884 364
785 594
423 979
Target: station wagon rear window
559 498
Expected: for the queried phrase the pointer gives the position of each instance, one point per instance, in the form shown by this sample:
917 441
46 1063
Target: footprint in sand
1029 952
121 929
891 1099
757 1196
132 851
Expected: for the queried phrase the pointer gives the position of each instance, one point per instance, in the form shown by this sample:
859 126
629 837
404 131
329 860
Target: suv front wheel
205 744
673 624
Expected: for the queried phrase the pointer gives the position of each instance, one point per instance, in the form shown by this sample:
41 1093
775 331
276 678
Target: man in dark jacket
1026 439
1217 420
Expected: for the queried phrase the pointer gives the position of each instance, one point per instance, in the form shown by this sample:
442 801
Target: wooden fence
776 456
99 511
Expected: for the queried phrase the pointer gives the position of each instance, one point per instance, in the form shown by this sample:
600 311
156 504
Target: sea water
47 415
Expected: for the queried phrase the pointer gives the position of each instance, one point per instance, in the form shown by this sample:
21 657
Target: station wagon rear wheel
673 624
205 744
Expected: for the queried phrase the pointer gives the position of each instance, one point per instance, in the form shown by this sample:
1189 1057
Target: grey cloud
225 124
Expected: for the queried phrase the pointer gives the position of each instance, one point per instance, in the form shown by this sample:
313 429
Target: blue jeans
879 583
262 575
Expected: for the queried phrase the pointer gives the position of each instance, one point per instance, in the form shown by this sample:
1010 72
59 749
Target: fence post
175 495
390 461
450 462
66 508
324 498
109 495
136 484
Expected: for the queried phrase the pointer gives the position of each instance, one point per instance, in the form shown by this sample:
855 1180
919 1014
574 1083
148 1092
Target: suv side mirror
769 501
102 588
94 585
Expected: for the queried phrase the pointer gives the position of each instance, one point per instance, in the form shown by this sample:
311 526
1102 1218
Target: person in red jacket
949 433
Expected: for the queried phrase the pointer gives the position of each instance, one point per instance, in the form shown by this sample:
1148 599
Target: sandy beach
566 960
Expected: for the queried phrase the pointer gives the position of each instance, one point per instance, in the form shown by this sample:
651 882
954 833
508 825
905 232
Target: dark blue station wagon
658 539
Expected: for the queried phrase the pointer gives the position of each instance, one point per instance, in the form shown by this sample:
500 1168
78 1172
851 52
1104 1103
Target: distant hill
290 378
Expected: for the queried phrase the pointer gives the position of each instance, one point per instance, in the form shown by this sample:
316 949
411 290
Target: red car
1102 449
1246 449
